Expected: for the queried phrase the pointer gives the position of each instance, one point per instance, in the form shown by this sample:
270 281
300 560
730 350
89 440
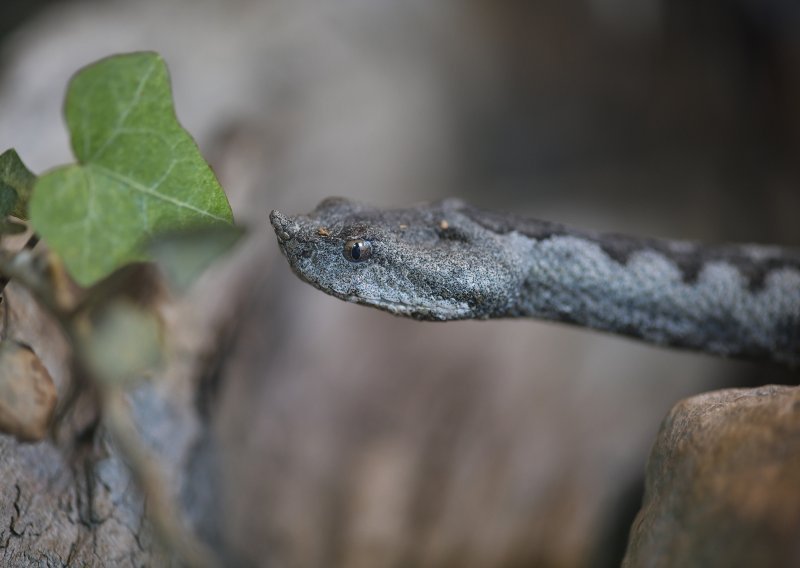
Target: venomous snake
449 261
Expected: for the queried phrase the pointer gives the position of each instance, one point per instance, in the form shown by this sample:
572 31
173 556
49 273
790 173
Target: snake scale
449 261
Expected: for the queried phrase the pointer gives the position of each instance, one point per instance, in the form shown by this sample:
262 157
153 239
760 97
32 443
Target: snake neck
733 301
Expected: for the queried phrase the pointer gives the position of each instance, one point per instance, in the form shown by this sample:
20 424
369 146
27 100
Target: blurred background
471 444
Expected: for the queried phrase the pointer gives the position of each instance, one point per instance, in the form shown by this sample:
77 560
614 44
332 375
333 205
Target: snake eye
357 250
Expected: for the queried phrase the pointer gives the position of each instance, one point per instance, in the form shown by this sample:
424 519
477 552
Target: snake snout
284 227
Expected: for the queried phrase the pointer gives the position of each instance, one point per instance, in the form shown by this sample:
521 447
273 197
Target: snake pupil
357 250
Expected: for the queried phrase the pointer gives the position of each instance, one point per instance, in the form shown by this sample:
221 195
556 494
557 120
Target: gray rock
723 483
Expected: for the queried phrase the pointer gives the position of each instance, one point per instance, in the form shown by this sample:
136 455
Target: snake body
449 261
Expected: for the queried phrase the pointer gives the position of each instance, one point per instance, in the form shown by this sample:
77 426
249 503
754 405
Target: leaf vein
151 191
123 114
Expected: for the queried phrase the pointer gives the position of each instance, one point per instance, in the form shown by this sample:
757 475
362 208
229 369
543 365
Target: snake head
427 262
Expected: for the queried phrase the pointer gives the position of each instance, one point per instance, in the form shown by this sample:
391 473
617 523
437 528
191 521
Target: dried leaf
27 394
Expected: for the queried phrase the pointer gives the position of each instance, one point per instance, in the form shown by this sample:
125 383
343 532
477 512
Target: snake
448 260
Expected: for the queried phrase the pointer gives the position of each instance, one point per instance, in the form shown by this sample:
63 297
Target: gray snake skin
449 261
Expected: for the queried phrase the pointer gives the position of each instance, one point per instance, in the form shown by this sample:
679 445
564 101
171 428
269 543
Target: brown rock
723 483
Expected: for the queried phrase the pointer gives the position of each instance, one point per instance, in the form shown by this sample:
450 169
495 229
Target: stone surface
723 483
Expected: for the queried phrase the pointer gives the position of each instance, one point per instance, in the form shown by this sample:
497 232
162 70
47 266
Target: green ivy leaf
16 184
139 172
8 199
